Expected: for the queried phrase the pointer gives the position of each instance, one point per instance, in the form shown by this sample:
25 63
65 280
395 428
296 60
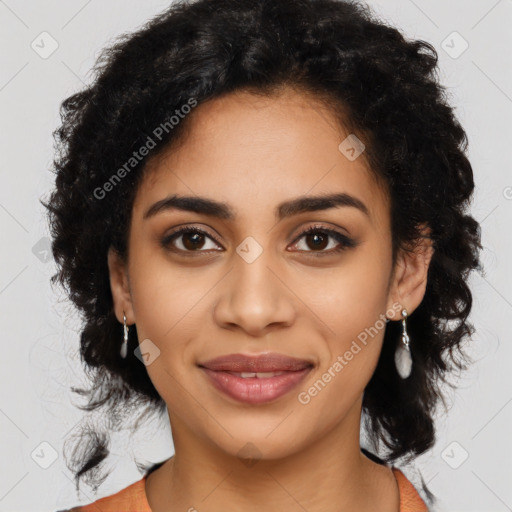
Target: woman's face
249 283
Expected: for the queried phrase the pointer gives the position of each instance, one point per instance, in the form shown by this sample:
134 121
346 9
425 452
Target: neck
329 475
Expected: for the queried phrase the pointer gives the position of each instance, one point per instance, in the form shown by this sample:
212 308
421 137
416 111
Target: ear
120 287
410 278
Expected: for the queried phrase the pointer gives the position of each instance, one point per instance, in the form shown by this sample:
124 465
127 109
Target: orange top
133 498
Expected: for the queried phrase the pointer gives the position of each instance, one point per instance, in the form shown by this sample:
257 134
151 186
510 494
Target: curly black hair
382 86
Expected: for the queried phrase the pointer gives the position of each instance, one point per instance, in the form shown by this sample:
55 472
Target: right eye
189 239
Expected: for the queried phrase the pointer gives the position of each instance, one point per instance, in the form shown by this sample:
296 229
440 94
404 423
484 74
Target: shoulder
130 499
410 500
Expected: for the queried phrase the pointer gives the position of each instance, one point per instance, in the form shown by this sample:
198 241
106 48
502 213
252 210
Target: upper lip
267 362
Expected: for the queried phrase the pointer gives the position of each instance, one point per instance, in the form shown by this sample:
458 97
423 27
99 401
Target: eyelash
344 241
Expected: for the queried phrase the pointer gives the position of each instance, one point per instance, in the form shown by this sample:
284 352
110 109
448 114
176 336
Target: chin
258 438
252 449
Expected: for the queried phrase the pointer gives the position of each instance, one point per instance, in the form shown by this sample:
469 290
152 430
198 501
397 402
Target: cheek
169 312
350 303
165 299
172 305
351 296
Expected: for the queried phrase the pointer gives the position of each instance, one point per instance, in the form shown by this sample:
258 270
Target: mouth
255 379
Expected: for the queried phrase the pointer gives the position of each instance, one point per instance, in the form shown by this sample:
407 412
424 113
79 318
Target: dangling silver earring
124 346
403 359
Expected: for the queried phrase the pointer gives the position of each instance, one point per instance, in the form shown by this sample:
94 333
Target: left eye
318 239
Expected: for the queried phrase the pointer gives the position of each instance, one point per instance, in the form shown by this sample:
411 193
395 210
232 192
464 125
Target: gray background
470 467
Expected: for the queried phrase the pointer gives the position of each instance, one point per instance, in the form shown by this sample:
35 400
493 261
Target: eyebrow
220 210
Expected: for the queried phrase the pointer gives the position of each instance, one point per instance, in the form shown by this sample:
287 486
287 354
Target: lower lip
254 390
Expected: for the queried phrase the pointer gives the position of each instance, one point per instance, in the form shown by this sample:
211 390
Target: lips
255 379
268 362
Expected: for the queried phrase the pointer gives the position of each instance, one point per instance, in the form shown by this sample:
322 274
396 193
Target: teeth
259 375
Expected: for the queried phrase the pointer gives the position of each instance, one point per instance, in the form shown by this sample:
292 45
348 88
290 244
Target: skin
254 153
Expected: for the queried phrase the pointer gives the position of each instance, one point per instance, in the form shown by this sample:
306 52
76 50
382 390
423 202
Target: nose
254 297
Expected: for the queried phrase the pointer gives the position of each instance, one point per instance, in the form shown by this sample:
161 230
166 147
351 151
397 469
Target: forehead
253 151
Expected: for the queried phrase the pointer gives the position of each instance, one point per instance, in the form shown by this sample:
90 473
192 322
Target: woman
260 208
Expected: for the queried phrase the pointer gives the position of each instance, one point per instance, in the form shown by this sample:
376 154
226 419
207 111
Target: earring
403 359
124 346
